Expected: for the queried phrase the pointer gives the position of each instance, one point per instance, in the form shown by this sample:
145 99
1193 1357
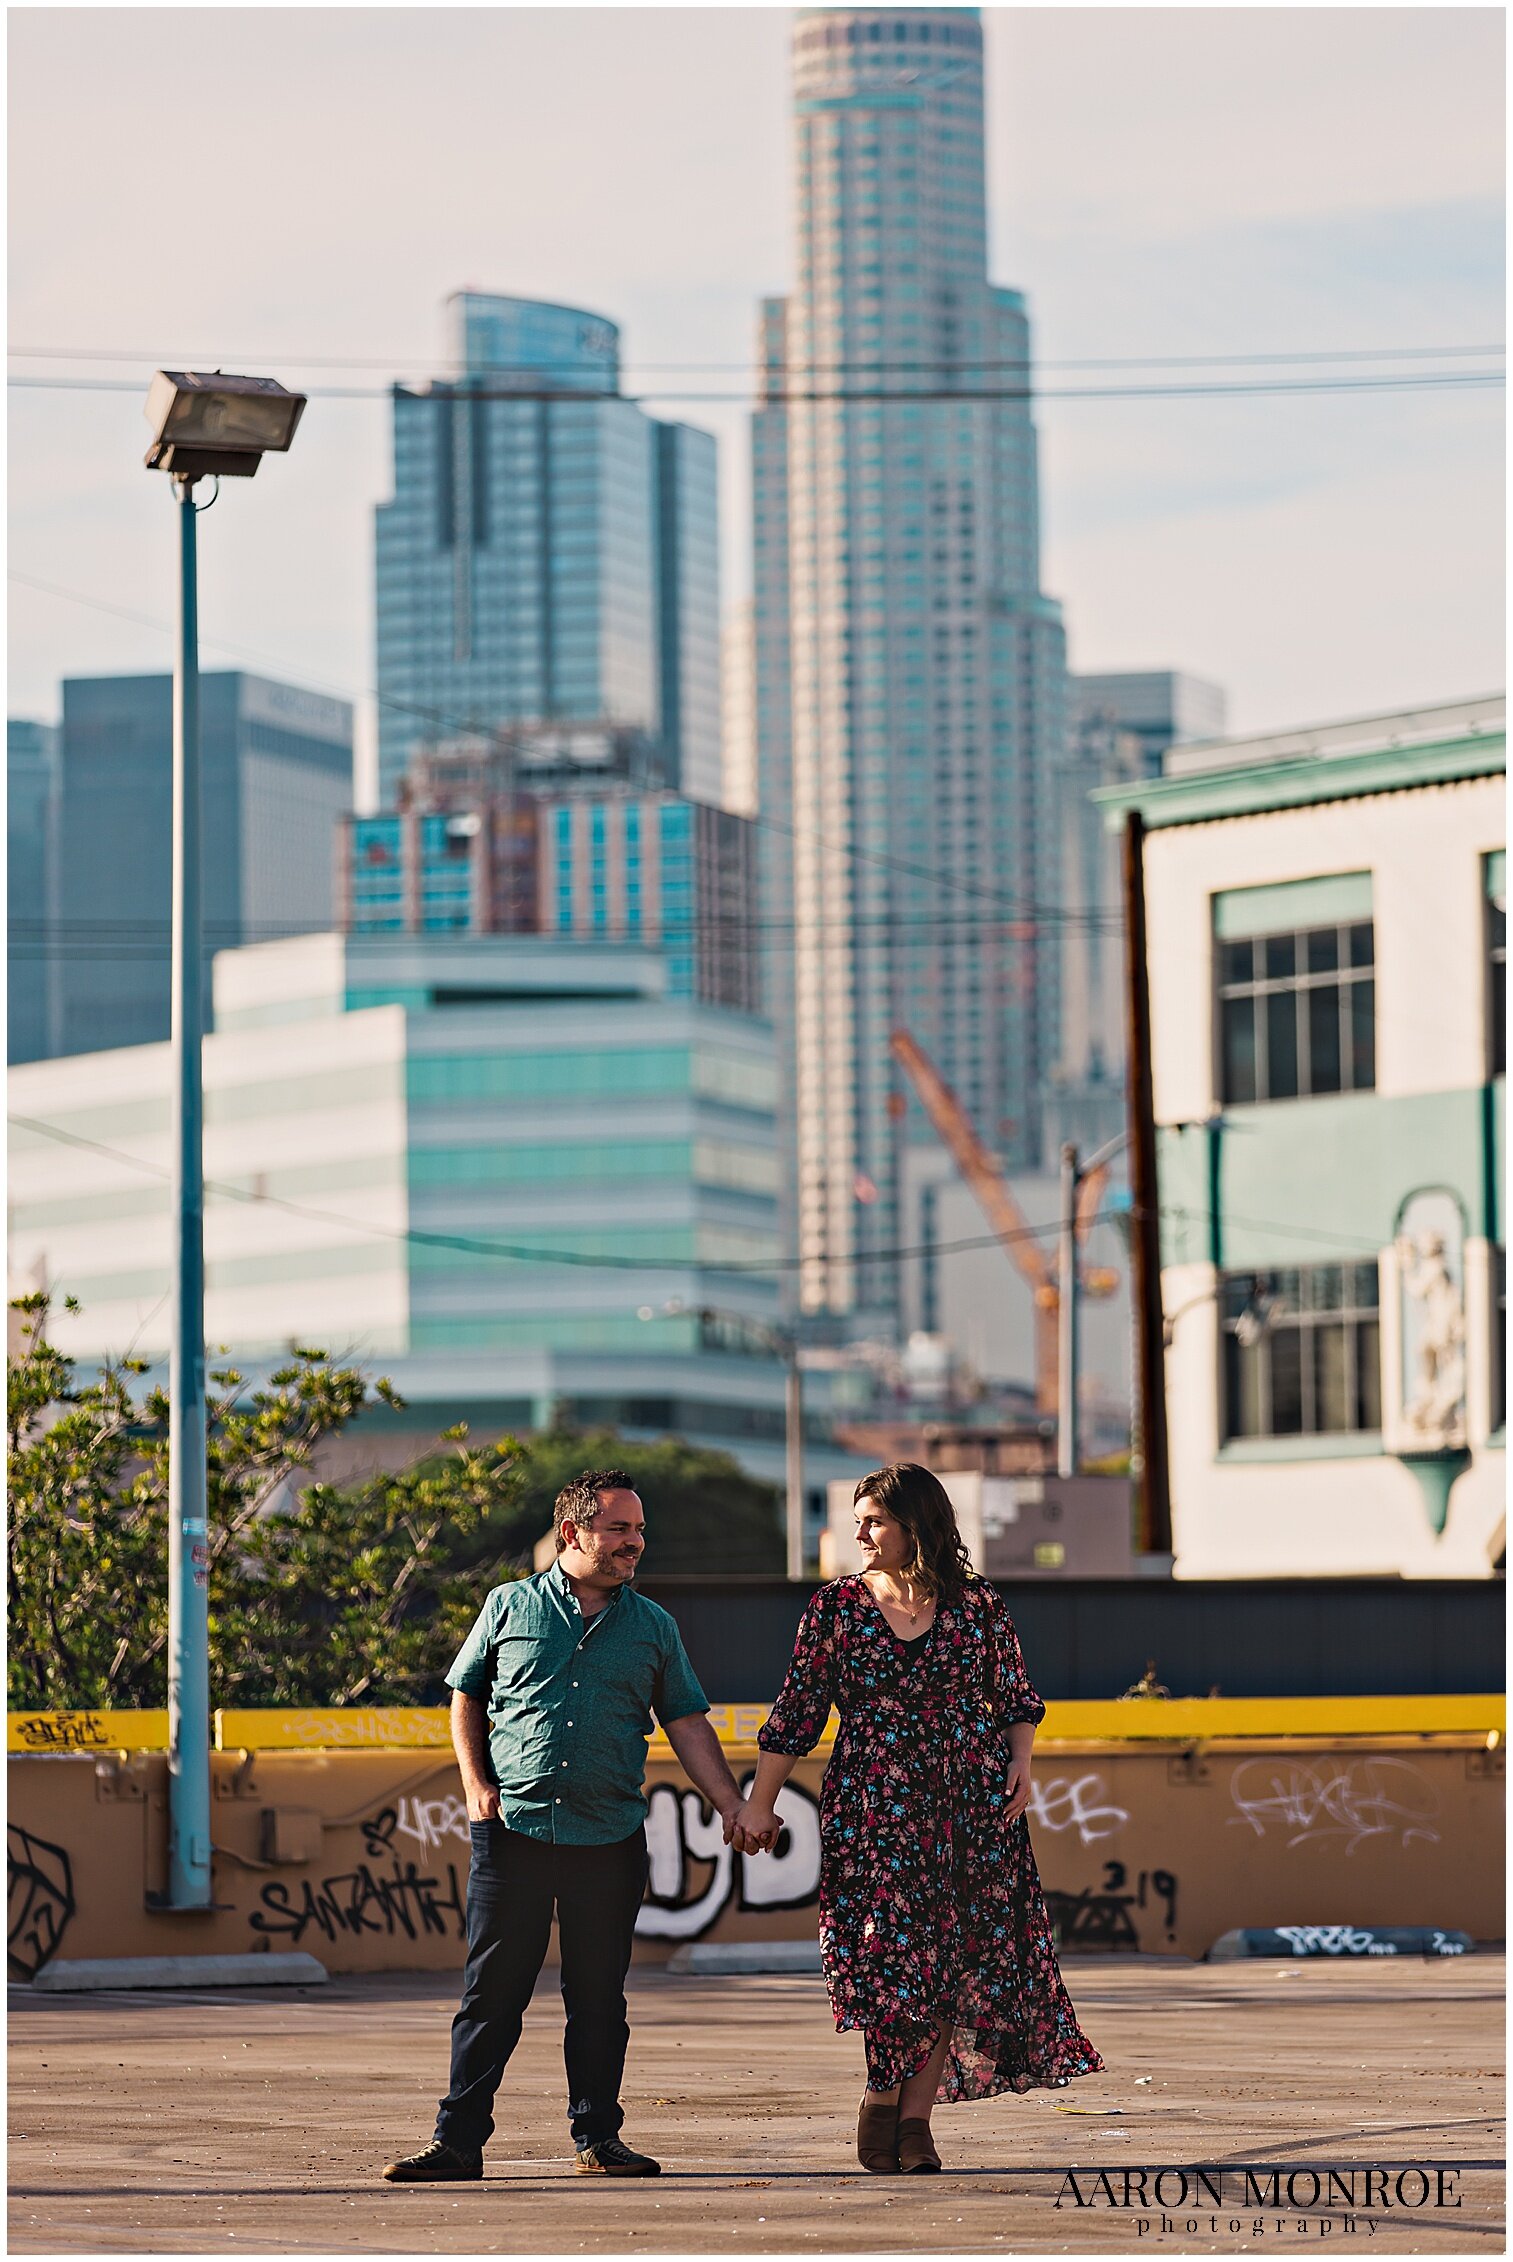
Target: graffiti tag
1105 1919
1068 1803
1365 1798
681 1830
61 1731
398 1900
1333 1940
427 1821
40 1899
336 1731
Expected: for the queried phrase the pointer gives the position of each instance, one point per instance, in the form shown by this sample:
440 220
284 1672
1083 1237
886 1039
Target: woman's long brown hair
919 1501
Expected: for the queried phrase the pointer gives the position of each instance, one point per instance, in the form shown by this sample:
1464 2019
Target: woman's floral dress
929 1900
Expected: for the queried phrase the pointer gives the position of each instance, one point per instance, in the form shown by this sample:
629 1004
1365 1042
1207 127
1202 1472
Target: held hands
752 1829
1018 1789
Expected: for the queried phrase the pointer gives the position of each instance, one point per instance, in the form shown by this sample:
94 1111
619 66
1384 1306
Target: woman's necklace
899 1603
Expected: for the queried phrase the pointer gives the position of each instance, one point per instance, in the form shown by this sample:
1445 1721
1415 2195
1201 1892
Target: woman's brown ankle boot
917 2155
877 2134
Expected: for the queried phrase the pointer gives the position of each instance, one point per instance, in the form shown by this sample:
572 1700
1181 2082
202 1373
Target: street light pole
203 426
785 1343
1066 1317
188 1534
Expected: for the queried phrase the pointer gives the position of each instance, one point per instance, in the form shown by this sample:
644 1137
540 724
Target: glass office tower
910 675
31 813
550 552
276 775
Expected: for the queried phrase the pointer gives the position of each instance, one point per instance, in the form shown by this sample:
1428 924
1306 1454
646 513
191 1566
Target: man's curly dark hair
579 1502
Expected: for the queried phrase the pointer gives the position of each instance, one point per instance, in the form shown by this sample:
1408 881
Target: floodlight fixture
218 425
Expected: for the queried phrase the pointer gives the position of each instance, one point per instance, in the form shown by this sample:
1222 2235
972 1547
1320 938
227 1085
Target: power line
150 945
1054 920
951 882
893 396
756 363
472 1245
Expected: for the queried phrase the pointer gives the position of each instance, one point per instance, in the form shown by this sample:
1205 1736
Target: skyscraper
550 552
910 675
1160 707
583 852
31 824
276 767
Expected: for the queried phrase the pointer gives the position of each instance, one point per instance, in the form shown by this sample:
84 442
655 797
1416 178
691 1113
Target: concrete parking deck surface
257 2121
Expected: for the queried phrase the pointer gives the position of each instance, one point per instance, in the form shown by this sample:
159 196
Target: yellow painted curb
53 1732
1136 1720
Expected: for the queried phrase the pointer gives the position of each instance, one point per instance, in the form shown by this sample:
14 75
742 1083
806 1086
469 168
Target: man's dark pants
514 1884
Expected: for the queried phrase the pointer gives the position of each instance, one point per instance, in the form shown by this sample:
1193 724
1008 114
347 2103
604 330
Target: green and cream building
1325 950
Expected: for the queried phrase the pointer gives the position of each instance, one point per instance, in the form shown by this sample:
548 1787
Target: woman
934 1932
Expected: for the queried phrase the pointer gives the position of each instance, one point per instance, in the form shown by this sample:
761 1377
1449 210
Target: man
552 1696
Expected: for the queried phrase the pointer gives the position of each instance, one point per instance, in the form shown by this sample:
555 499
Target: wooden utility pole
1153 1528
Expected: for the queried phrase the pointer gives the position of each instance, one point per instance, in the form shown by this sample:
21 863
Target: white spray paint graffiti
1066 1802
1360 1940
680 1829
428 1821
381 1729
1354 1800
1333 1940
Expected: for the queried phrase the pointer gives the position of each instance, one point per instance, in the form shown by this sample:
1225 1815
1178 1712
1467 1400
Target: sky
290 190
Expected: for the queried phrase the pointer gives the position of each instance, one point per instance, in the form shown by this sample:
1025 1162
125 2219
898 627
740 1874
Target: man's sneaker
612 2158
437 2164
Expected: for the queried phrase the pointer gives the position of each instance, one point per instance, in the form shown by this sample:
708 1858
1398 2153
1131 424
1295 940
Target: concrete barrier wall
361 1856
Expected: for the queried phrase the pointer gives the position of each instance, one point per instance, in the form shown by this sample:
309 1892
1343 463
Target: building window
1297 1013
1301 1351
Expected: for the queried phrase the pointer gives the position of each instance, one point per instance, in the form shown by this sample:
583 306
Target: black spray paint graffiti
399 1899
681 1829
1105 1919
40 1892
60 1731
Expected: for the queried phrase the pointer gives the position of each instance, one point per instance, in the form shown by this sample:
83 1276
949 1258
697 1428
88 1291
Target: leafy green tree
88 1537
703 1512
363 1593
318 1594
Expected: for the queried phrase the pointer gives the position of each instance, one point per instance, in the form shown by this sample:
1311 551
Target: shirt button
575 1684
556 1802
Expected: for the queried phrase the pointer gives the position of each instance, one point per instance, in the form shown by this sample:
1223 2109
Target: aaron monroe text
1281 2193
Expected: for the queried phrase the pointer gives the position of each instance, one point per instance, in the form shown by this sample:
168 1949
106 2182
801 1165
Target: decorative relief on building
1431 1296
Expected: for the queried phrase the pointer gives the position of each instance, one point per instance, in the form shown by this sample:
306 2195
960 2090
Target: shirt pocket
517 1663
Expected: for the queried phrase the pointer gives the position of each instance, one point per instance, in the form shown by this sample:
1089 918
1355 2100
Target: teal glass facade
276 766
550 551
672 873
31 823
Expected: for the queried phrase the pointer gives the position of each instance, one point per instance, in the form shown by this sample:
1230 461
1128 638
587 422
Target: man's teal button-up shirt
570 1704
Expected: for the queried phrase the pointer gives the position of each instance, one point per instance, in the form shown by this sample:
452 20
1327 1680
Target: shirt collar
562 1586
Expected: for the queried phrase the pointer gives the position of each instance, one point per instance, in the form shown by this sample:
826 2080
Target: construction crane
996 1199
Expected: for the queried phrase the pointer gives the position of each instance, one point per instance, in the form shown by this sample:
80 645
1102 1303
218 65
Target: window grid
1301 1352
1297 1014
